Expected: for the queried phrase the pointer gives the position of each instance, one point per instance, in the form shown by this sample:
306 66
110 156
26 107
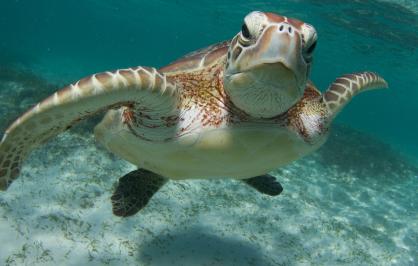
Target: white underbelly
216 153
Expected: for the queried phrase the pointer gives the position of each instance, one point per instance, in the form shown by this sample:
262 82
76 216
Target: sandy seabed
337 208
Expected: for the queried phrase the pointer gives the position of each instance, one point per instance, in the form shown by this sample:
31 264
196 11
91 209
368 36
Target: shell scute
200 58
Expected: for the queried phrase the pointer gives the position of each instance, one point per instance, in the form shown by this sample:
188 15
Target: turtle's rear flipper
134 190
265 184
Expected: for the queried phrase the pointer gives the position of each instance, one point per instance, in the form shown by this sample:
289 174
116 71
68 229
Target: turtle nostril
290 29
281 28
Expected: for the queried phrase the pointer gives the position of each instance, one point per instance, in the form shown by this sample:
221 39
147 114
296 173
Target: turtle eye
245 32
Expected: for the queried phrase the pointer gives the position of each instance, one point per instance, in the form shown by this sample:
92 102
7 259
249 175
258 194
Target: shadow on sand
197 247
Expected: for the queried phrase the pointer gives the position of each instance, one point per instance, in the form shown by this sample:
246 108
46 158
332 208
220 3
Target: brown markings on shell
215 55
207 49
192 60
182 64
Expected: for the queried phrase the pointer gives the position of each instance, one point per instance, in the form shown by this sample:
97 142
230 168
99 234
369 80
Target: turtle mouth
269 75
264 91
265 64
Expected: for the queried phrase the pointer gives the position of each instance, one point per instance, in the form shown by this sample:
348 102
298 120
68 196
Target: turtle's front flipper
266 184
134 191
346 87
144 88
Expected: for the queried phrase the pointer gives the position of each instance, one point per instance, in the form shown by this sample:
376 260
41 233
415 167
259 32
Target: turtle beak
283 46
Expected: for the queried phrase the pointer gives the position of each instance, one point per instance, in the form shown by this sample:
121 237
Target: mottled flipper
141 87
134 191
265 184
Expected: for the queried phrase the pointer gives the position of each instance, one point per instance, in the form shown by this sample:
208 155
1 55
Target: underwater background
353 202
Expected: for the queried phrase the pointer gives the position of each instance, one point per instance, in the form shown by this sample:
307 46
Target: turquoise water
353 202
65 41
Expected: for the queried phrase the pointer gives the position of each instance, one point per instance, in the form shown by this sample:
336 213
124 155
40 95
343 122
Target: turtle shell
198 59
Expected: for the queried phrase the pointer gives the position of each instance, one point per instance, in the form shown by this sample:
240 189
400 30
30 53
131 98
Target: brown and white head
268 64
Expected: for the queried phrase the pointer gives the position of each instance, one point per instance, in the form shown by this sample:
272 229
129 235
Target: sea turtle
237 109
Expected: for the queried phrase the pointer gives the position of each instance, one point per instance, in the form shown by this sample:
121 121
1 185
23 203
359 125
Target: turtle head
268 63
